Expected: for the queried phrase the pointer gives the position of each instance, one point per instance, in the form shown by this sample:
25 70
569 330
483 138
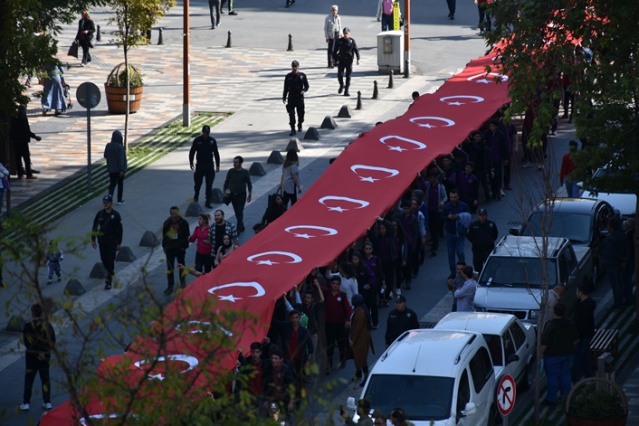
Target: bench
603 341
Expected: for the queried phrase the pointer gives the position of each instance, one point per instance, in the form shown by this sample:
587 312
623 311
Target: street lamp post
186 107
407 38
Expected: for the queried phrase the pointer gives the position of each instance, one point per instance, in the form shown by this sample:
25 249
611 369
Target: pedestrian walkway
247 85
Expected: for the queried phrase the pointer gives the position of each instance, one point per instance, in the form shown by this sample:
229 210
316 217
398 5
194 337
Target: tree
594 43
23 52
133 19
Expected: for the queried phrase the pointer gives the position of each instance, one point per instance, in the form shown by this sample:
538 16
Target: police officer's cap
482 212
206 129
273 408
295 64
346 30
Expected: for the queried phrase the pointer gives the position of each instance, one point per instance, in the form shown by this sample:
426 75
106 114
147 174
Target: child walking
54 257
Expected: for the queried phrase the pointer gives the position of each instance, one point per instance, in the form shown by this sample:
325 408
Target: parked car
624 201
513 281
438 377
511 343
582 220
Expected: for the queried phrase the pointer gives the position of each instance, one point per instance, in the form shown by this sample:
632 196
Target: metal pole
89 148
186 107
407 38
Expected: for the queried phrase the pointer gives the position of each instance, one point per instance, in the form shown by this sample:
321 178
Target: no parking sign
506 395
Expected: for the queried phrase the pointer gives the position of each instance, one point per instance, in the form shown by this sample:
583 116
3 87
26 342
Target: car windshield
606 172
576 227
516 272
422 397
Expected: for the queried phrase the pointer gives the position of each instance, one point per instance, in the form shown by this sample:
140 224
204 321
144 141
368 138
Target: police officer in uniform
345 50
400 319
482 234
107 230
206 148
295 85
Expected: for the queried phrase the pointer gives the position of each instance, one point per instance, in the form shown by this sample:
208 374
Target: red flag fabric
363 182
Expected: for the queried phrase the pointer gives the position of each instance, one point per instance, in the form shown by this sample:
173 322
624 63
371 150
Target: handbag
73 50
226 200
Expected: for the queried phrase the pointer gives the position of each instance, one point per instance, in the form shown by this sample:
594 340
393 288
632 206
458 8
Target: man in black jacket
175 241
344 51
107 229
585 323
482 234
206 149
20 134
38 336
400 320
295 85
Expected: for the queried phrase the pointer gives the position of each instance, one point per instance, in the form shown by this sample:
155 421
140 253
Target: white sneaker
24 407
47 405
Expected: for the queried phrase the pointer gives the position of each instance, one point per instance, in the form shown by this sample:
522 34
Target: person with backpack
385 14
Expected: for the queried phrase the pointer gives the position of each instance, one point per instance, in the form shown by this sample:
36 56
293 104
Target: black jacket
585 318
88 25
37 337
294 84
345 49
172 240
108 226
399 322
205 149
483 235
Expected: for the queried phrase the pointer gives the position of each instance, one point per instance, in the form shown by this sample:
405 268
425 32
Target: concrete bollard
74 288
257 169
16 324
160 37
390 79
290 43
295 145
359 100
344 112
312 134
149 239
125 254
98 36
193 210
217 196
275 158
98 271
328 123
375 91
228 40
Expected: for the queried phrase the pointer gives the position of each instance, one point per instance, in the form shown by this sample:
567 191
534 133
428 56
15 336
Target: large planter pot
574 418
116 99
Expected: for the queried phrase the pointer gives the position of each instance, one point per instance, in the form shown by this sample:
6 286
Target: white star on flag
483 81
456 103
397 148
158 376
305 236
367 179
337 209
230 298
266 262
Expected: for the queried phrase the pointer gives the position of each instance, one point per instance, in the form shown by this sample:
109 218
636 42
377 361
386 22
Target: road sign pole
89 148
88 95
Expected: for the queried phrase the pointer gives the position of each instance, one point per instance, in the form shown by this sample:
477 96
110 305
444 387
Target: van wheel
529 375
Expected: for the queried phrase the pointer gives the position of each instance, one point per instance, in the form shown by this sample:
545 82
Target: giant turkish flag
363 182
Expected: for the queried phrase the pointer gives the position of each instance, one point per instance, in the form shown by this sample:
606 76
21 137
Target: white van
438 377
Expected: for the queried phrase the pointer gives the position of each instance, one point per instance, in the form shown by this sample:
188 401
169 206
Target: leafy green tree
23 52
133 19
595 44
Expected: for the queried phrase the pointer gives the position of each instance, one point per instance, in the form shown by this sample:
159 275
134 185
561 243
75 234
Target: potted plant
115 88
596 401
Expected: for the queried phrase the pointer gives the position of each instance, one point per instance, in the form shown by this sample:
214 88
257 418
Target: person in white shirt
333 31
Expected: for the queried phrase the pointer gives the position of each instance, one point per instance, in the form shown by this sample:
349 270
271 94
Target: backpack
387 6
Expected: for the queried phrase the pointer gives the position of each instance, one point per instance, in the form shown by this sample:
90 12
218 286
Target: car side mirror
350 403
580 185
469 410
515 230
512 358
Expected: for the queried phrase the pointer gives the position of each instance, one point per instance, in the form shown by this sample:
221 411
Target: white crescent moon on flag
329 231
447 121
258 288
295 258
341 209
418 144
83 421
446 99
391 172
191 360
